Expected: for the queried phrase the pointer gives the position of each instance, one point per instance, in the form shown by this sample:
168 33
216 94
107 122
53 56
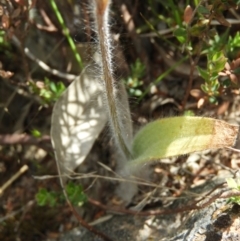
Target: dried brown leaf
77 120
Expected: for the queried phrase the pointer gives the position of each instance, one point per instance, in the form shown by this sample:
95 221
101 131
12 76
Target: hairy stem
101 15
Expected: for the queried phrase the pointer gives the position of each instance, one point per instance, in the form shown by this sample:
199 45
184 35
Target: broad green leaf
180 135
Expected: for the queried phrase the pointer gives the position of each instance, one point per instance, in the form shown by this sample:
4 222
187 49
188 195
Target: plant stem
66 33
101 15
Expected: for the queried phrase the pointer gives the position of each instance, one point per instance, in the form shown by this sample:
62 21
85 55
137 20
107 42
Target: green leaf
36 133
188 113
215 87
44 197
180 135
220 61
199 29
203 73
234 200
213 78
53 87
213 99
202 10
216 63
233 42
181 34
75 194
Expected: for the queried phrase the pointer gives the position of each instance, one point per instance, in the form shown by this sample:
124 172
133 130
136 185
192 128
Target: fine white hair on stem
113 92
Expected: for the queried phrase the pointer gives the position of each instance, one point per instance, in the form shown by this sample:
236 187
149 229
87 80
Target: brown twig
24 139
199 204
193 64
50 26
86 225
13 139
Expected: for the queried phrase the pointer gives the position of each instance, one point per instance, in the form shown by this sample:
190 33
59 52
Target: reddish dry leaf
235 63
188 14
6 74
233 78
53 235
33 4
16 13
223 107
21 2
1 10
10 32
16 23
5 21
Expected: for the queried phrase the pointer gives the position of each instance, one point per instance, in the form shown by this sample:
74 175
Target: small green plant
217 48
3 42
48 91
46 198
75 194
50 198
216 63
235 185
134 83
233 44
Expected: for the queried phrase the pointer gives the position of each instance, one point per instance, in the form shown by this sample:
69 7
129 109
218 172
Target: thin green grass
161 77
66 33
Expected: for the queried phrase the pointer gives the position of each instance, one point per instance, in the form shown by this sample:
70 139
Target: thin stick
14 213
13 139
13 178
69 77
